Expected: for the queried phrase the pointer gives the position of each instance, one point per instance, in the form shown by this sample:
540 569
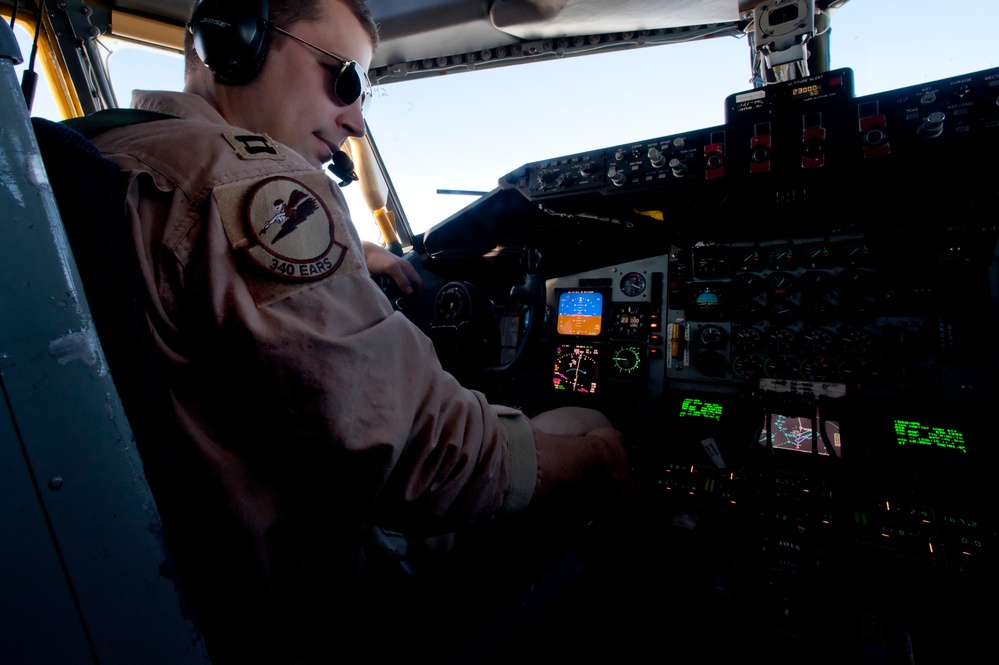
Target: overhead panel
539 19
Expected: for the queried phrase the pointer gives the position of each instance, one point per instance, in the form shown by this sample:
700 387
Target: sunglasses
349 83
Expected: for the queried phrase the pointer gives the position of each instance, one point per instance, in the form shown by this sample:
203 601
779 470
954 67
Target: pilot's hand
383 262
595 462
616 464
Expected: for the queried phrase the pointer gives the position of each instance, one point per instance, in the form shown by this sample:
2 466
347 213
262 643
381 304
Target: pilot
319 418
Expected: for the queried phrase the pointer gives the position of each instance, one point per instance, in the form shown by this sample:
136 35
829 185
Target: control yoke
532 294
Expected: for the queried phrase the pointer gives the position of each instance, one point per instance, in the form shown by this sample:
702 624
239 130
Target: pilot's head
295 71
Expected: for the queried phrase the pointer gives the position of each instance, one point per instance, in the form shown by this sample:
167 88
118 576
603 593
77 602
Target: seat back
82 540
206 548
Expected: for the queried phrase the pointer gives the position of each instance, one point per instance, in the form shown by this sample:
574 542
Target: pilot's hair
284 14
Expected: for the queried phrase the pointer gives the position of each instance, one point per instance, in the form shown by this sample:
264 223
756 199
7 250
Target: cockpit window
447 137
445 140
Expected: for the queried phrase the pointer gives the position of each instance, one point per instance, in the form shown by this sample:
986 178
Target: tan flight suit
317 410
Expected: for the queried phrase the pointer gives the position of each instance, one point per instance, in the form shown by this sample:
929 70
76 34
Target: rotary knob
656 157
932 125
617 177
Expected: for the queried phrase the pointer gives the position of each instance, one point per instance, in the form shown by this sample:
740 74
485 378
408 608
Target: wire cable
29 78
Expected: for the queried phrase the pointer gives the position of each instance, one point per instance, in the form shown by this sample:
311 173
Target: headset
230 36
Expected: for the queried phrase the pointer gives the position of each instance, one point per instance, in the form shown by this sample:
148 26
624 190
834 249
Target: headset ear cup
244 72
230 36
258 63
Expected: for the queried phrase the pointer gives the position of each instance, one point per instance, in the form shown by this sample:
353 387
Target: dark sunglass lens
348 85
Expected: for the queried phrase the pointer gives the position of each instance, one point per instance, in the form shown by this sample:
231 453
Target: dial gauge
817 368
749 284
781 339
818 340
781 284
627 359
816 282
780 367
630 321
712 336
745 338
781 258
747 367
633 284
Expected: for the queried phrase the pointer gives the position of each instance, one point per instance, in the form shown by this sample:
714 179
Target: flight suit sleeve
321 388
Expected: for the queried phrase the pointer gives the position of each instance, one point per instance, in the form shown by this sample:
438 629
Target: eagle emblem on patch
291 232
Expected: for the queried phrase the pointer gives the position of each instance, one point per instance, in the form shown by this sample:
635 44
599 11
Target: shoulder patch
253 146
288 229
291 231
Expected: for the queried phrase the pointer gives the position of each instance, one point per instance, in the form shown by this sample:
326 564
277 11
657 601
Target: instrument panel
796 333
880 313
607 329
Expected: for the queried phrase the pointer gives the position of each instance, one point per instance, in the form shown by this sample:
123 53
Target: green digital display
696 408
911 433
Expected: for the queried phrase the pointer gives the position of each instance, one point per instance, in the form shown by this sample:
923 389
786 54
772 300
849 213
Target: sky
500 119
465 131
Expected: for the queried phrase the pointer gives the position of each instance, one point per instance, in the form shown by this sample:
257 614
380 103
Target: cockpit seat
203 554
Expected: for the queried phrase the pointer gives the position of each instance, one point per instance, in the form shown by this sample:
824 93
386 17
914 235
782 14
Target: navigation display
796 433
580 313
576 368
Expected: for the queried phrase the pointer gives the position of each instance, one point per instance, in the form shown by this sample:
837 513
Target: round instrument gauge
781 339
781 284
819 309
750 260
818 340
746 338
453 304
749 284
856 340
748 366
781 258
855 281
817 368
817 283
712 336
631 321
857 253
780 367
854 371
627 359
707 302
633 284
782 311
748 311
818 256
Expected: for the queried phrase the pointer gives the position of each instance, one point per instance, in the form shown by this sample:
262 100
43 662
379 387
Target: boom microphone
342 167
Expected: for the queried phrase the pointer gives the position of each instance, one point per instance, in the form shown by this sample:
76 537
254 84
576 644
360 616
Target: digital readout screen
580 313
910 433
695 408
576 368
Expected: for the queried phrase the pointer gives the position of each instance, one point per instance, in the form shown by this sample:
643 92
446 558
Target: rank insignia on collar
290 231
